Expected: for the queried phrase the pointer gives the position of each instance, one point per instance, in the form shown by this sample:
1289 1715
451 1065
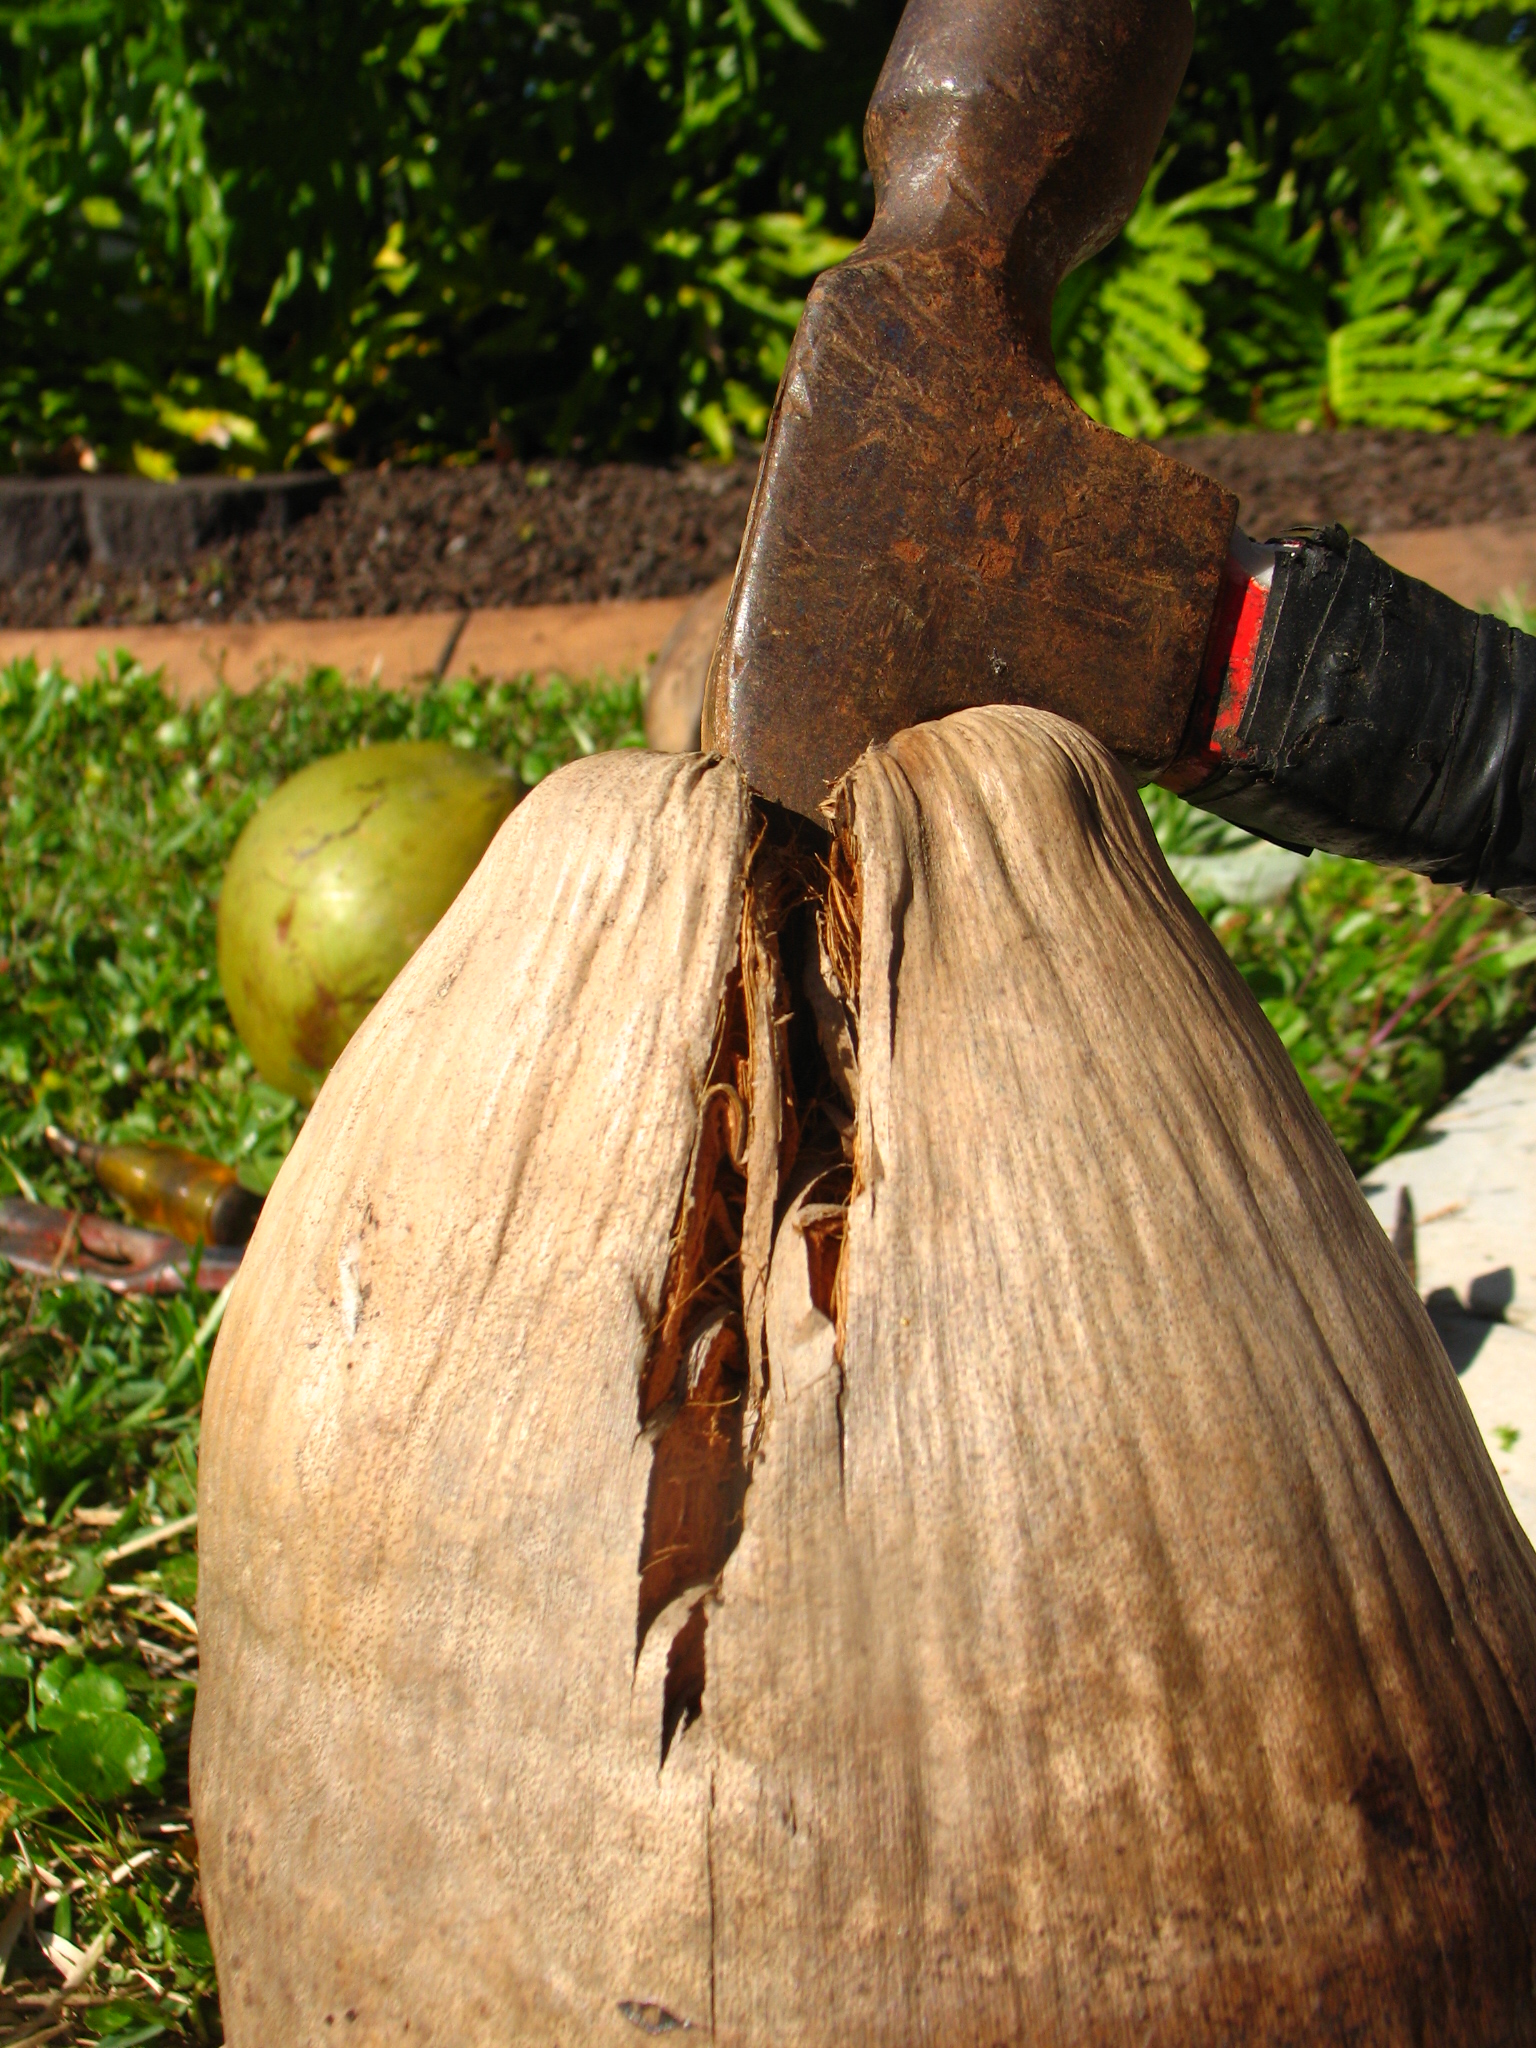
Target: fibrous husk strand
776 887
842 913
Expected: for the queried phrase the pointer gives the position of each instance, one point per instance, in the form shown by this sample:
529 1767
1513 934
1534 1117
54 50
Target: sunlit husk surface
817 1443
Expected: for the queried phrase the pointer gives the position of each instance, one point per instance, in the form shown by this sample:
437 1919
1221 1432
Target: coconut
816 1444
333 885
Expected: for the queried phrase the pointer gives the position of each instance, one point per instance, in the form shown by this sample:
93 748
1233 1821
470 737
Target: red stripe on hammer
1227 679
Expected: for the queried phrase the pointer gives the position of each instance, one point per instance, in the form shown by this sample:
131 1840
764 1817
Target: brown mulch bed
416 540
1371 483
426 540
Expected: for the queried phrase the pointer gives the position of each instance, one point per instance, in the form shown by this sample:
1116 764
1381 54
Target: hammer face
937 525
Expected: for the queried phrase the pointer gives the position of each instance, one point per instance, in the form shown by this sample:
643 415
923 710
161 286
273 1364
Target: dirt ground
425 540
1371 483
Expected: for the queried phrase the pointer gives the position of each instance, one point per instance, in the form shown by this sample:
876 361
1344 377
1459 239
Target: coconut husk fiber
816 1445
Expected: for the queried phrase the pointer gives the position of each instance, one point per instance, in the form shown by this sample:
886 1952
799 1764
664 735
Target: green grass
1388 993
120 813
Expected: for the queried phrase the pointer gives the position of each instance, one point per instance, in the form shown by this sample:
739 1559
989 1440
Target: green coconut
333 885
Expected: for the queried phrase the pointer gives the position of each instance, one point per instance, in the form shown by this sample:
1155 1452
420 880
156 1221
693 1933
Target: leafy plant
426 229
1130 329
89 1748
1385 275
235 237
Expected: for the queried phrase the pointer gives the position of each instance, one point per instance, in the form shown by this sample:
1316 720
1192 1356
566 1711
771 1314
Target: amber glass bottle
168 1188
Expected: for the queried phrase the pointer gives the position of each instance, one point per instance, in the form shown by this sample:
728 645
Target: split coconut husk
674 693
816 1445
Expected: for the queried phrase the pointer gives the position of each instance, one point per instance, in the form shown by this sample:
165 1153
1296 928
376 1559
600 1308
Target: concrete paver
1473 1184
616 639
1473 564
392 652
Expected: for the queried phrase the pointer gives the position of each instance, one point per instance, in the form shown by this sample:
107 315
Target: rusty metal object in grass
71 1244
936 524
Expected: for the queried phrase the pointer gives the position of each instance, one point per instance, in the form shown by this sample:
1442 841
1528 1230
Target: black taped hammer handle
1377 718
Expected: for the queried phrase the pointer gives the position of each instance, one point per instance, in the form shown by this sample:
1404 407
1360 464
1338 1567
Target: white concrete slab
1500 1386
1473 1184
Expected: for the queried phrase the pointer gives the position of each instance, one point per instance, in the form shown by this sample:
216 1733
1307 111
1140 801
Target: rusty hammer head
935 523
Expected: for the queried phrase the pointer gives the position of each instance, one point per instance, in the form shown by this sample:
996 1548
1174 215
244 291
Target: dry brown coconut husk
824 1451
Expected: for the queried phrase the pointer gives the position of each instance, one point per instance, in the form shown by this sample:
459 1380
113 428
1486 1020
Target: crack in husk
769 1093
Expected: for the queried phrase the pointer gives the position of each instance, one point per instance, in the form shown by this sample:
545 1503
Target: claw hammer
936 524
